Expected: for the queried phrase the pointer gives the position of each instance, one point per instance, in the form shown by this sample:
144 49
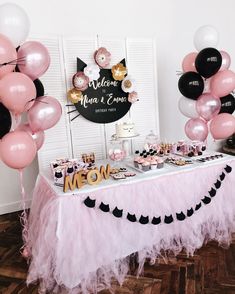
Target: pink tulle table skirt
80 249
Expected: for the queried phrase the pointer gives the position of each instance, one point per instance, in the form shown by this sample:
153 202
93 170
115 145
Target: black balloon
208 62
227 104
5 120
39 87
191 85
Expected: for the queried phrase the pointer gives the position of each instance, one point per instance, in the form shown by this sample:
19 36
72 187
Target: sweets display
146 161
116 151
209 158
178 161
125 129
188 148
63 167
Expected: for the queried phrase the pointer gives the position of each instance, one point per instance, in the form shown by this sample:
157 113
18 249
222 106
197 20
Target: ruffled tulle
76 249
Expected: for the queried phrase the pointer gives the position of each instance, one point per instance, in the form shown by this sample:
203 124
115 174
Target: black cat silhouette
168 219
156 220
228 169
198 206
144 220
206 200
131 217
117 212
212 192
104 207
89 202
58 175
217 184
70 170
103 101
180 216
222 176
190 212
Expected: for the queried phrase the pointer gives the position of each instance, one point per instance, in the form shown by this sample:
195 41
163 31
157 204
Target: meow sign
103 101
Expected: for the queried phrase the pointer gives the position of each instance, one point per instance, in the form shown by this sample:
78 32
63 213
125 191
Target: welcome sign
103 101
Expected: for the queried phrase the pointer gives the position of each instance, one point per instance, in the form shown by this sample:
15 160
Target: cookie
118 176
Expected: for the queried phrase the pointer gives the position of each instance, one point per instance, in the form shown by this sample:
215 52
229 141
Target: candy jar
151 141
116 151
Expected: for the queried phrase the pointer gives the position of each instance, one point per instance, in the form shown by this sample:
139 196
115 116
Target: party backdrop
71 138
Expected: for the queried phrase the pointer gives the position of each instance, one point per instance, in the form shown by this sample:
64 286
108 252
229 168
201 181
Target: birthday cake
125 129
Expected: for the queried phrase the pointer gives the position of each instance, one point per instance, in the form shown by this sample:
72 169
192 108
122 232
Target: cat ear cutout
212 192
131 217
190 212
217 184
89 202
144 220
206 200
123 61
156 220
104 207
117 212
80 65
222 176
168 219
198 206
180 216
228 169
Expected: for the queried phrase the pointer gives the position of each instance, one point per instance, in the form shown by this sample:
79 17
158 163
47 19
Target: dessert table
82 239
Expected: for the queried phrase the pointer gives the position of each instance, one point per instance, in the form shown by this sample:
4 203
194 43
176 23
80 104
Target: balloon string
23 216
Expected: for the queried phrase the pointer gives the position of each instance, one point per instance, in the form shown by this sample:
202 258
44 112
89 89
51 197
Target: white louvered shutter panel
86 136
142 63
57 139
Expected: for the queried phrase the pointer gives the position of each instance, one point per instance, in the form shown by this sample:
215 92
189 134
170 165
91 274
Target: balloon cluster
21 64
206 85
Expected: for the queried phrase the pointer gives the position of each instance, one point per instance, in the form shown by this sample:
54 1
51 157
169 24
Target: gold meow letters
94 177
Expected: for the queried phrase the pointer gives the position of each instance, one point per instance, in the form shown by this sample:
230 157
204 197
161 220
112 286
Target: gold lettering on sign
105 172
77 182
93 177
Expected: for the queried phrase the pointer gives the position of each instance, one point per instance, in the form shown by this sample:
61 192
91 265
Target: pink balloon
44 114
38 137
222 126
226 60
223 83
7 55
17 149
34 59
208 106
16 92
196 129
188 63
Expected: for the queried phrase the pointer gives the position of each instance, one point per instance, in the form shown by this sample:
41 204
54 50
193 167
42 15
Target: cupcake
154 164
140 162
145 166
136 161
160 163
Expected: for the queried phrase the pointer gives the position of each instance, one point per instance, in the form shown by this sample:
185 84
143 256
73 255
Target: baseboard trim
13 206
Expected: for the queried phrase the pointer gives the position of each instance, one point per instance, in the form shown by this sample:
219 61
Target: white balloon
188 107
14 23
206 36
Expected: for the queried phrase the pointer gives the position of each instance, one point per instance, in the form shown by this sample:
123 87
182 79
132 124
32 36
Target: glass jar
151 141
116 151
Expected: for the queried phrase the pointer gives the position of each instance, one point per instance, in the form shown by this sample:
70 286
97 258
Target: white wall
172 22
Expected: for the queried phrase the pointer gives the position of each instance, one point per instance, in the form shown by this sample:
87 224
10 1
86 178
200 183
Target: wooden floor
210 271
